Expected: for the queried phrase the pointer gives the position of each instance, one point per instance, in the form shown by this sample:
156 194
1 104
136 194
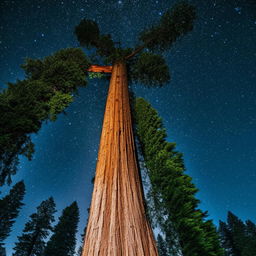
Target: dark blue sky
209 108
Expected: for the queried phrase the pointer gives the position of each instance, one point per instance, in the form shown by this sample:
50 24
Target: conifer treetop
175 22
36 230
9 209
63 240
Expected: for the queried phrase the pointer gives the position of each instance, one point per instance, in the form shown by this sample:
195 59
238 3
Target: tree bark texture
117 224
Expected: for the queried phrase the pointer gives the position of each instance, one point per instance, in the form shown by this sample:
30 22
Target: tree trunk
117 224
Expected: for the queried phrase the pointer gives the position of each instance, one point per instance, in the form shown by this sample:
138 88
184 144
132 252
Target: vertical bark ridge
117 224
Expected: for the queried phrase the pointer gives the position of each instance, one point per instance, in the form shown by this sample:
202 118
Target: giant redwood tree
117 222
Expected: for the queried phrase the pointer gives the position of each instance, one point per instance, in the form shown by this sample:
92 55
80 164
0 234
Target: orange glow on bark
101 69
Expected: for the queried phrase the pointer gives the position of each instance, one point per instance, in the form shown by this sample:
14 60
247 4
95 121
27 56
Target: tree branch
140 48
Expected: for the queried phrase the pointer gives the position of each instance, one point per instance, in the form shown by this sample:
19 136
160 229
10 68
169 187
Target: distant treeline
32 241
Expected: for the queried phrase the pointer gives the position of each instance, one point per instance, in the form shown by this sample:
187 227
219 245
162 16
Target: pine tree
250 232
226 238
9 209
63 240
173 193
237 228
32 241
238 238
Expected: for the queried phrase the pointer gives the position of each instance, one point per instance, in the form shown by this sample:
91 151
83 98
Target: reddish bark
117 224
101 69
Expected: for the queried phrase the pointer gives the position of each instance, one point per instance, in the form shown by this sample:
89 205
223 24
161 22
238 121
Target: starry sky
209 107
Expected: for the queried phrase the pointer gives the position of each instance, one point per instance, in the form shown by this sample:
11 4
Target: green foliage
47 90
88 35
9 209
33 68
63 240
150 69
105 46
238 238
58 103
174 23
118 55
93 75
64 70
173 193
32 241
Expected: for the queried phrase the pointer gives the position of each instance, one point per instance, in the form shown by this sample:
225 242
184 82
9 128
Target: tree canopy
175 22
46 91
146 68
150 69
88 35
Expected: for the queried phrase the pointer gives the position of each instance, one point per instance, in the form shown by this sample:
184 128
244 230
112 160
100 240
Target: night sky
209 107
